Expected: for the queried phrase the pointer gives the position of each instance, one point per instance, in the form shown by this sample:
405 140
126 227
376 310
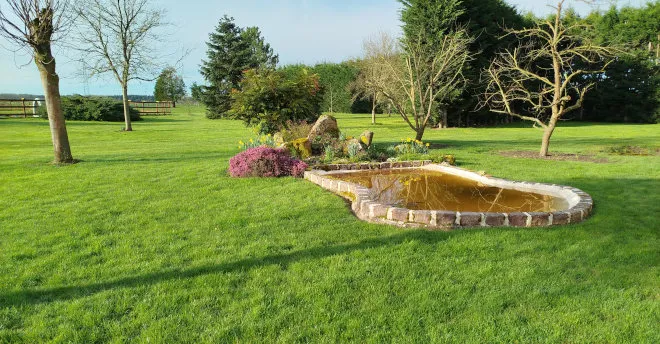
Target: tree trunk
51 85
547 134
174 104
127 112
373 110
420 133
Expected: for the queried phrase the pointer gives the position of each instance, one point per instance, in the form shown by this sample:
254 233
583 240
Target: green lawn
148 240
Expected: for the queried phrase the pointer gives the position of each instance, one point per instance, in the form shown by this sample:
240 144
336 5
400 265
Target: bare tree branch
540 76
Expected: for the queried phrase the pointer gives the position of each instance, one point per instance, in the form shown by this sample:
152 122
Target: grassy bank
147 239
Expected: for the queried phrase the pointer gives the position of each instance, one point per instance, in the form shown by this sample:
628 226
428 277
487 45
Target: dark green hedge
80 108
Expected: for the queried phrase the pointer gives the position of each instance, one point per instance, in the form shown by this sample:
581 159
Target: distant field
148 240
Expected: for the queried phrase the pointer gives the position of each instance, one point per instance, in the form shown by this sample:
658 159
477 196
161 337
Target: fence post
23 104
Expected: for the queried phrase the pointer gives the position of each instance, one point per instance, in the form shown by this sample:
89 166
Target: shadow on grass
216 156
163 119
29 297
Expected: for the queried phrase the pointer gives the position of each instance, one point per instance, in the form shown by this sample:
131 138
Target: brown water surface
418 189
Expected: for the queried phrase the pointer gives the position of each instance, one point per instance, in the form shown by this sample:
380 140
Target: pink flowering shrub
265 162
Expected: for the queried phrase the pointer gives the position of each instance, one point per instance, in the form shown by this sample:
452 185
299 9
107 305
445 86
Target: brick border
367 209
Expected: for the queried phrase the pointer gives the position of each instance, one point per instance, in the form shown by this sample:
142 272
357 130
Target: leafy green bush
410 146
268 99
80 108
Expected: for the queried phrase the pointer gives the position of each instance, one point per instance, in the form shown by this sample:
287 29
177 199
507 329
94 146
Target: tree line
458 63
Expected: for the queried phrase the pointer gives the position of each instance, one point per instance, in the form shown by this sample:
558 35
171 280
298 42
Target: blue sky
300 31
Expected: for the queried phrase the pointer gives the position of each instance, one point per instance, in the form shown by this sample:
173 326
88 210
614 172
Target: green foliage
411 146
353 149
196 92
629 91
295 130
267 99
231 51
335 79
169 86
80 108
261 140
484 20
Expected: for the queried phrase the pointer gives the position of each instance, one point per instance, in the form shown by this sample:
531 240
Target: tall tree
231 51
634 74
34 25
371 73
120 37
484 20
196 92
419 79
538 80
169 86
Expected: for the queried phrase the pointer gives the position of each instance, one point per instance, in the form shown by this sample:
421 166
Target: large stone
325 127
366 138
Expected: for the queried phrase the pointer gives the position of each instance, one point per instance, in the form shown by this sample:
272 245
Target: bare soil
555 156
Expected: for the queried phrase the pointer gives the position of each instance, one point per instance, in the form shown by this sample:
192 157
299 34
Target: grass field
148 240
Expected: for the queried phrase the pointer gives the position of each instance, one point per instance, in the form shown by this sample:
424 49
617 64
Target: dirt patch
632 151
555 156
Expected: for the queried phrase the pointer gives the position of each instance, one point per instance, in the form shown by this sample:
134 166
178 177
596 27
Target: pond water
418 189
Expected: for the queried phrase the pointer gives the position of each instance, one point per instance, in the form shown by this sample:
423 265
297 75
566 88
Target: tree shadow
31 297
162 119
219 156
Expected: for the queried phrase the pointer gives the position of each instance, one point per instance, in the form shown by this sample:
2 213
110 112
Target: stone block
560 218
469 219
445 218
540 219
576 215
397 214
421 216
518 219
377 210
494 219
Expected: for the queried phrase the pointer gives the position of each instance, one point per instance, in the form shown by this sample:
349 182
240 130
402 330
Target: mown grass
148 240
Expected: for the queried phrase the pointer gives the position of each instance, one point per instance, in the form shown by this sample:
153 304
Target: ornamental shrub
268 99
265 162
80 108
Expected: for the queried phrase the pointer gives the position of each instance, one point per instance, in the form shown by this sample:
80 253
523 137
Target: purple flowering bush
265 162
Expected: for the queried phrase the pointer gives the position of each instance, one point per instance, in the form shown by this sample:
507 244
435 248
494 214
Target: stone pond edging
367 209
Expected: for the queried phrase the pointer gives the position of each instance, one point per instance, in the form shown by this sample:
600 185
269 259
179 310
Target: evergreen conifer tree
231 51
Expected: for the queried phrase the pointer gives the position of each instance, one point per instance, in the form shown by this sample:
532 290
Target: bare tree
34 25
120 37
537 81
371 73
416 80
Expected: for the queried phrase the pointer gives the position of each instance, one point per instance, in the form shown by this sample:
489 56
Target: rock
325 127
301 147
366 138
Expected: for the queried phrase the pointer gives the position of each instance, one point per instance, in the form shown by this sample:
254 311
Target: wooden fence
20 107
152 108
27 107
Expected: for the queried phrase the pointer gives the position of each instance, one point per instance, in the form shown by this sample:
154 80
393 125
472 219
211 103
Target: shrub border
367 209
